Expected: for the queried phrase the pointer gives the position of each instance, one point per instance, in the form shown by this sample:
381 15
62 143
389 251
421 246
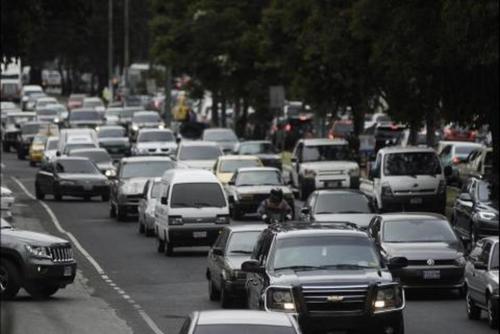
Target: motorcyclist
274 206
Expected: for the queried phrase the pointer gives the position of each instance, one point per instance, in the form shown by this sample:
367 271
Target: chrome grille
341 299
331 172
61 254
436 263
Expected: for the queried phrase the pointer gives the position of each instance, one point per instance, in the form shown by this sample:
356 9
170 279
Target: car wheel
492 314
160 245
40 290
225 301
112 211
105 197
38 193
213 293
57 195
473 312
9 280
121 213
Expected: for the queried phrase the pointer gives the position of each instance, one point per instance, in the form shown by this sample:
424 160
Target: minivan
192 209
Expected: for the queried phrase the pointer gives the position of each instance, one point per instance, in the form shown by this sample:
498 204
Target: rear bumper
432 203
413 277
192 235
51 273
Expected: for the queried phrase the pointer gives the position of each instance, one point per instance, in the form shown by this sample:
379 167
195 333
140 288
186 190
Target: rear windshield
153 117
411 163
342 203
84 116
150 136
145 169
113 133
194 195
219 136
76 167
96 156
243 329
28 129
430 230
199 153
230 166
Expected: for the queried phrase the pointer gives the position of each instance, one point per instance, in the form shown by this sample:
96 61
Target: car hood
360 219
490 206
133 185
114 141
235 262
203 164
405 183
268 156
330 277
261 189
329 165
424 250
33 238
156 144
85 177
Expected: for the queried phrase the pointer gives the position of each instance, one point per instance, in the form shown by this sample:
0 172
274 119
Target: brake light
456 160
302 118
157 104
288 127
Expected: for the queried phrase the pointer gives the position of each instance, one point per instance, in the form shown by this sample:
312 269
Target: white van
407 179
192 209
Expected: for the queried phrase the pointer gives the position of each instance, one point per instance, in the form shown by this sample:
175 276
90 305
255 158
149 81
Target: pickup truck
404 179
323 163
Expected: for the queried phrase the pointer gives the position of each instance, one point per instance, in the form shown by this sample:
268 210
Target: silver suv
40 263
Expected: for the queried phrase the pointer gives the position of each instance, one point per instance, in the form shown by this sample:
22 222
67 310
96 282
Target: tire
225 301
112 211
492 313
121 214
41 291
38 193
10 280
160 248
213 293
57 195
105 198
473 312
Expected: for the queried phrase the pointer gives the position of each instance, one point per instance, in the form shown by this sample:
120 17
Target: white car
155 142
372 119
147 204
323 163
7 200
50 150
93 103
198 154
45 101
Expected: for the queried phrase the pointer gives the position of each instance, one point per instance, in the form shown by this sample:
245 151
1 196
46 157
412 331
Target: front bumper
450 277
36 156
193 235
332 182
430 203
47 272
82 191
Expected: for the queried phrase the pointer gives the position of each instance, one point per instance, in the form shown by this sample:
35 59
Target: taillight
288 128
456 160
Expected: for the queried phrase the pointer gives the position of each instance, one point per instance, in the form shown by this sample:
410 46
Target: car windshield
421 230
155 191
199 153
52 144
324 252
84 116
76 167
47 112
150 136
255 178
195 195
242 242
243 329
146 118
72 146
111 133
484 192
494 258
29 129
342 203
464 151
93 103
95 156
326 153
145 169
230 166
222 135
412 163
257 148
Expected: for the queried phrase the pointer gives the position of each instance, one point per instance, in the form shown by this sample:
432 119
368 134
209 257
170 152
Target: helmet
276 195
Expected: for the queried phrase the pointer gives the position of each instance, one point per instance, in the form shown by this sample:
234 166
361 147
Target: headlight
135 127
56 120
389 298
354 172
161 126
280 300
309 173
486 215
460 261
67 183
110 172
39 252
386 189
175 220
222 220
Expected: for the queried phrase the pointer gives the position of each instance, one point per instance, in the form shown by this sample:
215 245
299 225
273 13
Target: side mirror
163 200
305 210
397 263
58 153
252 266
294 159
231 183
479 265
448 171
465 197
218 251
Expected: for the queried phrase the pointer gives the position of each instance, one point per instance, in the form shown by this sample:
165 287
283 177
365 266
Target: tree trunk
414 127
215 108
223 112
430 124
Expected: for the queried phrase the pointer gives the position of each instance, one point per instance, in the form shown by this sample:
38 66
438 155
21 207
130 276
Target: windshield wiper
297 268
241 251
346 266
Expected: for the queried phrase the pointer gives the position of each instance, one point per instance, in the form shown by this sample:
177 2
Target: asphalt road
140 284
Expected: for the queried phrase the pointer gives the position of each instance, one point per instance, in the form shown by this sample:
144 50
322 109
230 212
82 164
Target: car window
76 167
243 329
150 136
484 257
145 169
230 166
411 163
199 153
326 153
221 239
464 151
196 195
342 203
263 177
422 230
242 242
494 258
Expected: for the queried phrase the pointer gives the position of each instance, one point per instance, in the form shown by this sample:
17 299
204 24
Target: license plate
67 271
199 235
415 201
432 274
333 184
87 186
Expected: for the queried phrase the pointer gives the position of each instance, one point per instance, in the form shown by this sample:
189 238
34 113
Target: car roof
339 191
238 157
299 228
395 216
110 127
146 112
190 175
410 149
154 130
258 169
93 149
217 317
144 159
246 227
198 143
323 141
70 158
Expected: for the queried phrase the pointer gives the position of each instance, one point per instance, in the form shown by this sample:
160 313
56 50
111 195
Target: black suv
40 263
329 276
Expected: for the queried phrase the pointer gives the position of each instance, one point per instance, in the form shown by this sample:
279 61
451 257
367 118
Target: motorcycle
276 217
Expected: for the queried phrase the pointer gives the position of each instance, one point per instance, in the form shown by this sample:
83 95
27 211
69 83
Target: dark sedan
234 246
84 118
71 176
263 149
475 213
434 253
114 139
99 156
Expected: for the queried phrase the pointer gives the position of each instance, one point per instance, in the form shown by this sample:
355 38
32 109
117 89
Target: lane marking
147 319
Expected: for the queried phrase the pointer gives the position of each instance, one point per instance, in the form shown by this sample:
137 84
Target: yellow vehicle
226 165
37 149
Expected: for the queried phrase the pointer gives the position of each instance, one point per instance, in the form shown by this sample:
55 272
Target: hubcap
4 279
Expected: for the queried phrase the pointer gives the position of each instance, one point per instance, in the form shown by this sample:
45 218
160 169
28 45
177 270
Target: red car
341 129
75 101
456 133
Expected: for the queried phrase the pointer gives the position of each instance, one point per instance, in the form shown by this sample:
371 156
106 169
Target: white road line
152 325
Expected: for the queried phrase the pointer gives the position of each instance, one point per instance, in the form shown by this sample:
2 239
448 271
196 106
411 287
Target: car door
256 282
478 287
460 209
143 202
296 156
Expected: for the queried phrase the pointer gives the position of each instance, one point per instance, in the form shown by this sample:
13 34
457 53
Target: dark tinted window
494 258
242 242
76 167
111 133
28 129
145 168
263 177
342 203
257 148
194 195
431 230
326 153
150 136
96 156
199 153
84 116
412 163
243 329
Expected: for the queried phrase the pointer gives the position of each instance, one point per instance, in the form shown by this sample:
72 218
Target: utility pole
125 48
110 47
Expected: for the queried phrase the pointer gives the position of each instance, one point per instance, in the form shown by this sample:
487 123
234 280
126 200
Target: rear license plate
199 235
432 274
333 184
415 201
67 271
